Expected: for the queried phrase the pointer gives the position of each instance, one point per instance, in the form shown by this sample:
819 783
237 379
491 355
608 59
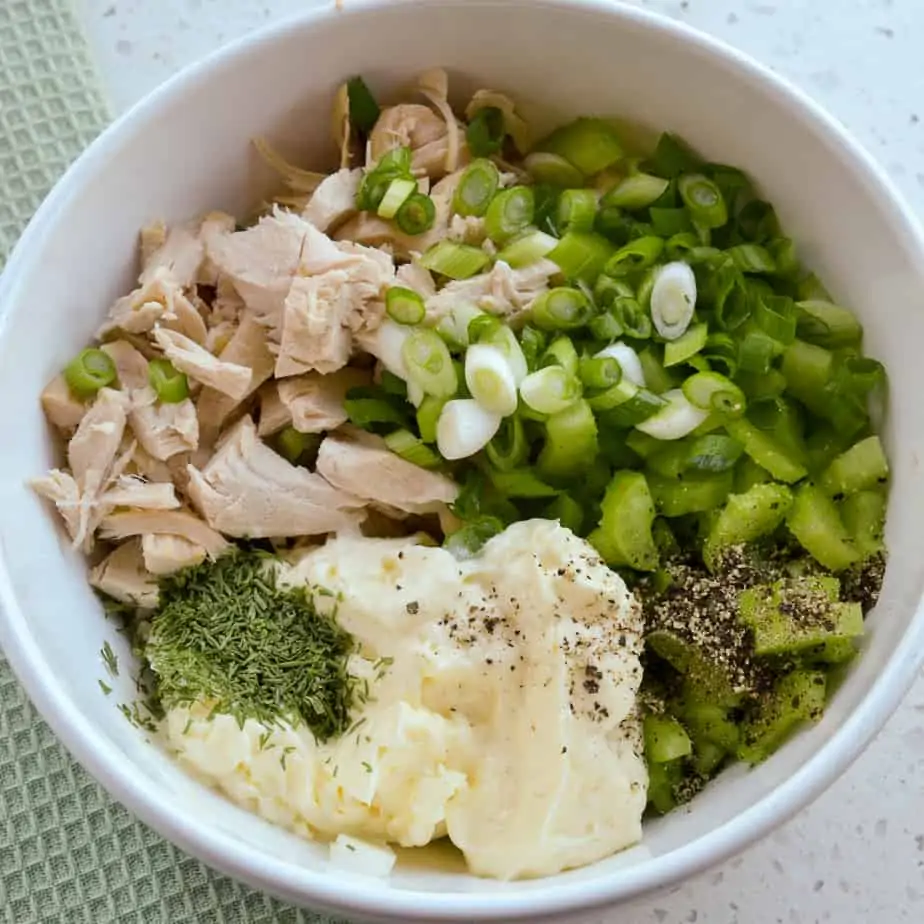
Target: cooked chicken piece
315 402
152 238
213 225
340 123
159 300
274 415
247 490
134 491
372 231
368 469
92 451
247 348
334 200
61 489
261 262
502 290
514 125
180 257
62 409
467 229
163 429
182 523
434 85
419 128
123 577
229 378
149 468
413 276
165 554
131 366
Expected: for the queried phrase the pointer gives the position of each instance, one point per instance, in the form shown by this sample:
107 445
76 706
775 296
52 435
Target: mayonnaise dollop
501 706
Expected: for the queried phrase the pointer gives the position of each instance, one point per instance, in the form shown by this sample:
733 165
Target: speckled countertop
857 855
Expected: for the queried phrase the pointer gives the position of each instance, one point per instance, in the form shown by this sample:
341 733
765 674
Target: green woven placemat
68 853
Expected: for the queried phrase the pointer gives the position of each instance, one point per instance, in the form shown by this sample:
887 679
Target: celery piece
790 617
571 442
693 493
757 387
797 697
808 369
627 513
748 473
662 778
707 758
746 517
862 466
665 739
781 461
642 444
671 461
567 511
816 523
709 680
863 515
708 722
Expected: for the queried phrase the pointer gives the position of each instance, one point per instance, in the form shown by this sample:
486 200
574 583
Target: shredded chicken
135 491
367 468
340 123
434 85
229 378
61 408
417 127
213 225
514 124
247 490
131 365
334 200
121 525
165 554
122 575
274 415
178 258
415 277
315 402
163 429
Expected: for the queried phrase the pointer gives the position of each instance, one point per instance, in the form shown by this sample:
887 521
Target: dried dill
226 632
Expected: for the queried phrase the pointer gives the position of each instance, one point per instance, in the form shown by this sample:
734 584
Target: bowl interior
186 151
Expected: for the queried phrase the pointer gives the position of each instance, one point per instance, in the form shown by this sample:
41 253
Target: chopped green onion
582 255
590 145
567 511
703 199
605 327
509 449
369 412
428 413
783 252
607 290
636 191
710 391
521 483
457 261
665 739
671 223
862 466
600 371
577 209
775 315
510 212
467 542
532 346
721 350
756 351
686 346
428 363
757 222
673 299
561 308
673 156
464 428
561 352
811 288
403 443
486 132
628 405
504 339
827 325
490 379
713 453
477 187
527 248
752 258
550 390
679 418
404 305
364 110
416 215
681 245
570 442
627 514
656 377
292 444
634 319
481 325
769 453
395 196
395 164
92 370
552 169
816 523
170 384
630 363
634 256
808 370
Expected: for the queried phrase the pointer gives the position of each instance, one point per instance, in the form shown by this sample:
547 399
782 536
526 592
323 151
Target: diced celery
571 442
693 493
780 460
796 697
791 617
862 466
708 722
808 369
747 517
642 444
748 473
567 511
707 757
863 515
665 739
662 778
816 523
709 680
627 513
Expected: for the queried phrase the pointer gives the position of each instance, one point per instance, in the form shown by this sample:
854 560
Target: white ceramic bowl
185 150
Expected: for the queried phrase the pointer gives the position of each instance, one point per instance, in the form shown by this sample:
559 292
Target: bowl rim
300 884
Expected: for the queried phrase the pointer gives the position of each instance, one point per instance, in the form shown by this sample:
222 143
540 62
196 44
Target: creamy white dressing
501 707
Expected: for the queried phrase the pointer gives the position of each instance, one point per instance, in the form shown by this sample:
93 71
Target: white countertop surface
857 855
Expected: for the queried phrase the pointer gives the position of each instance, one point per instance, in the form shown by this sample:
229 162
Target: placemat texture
68 853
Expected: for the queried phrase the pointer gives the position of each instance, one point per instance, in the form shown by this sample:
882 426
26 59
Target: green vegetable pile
686 396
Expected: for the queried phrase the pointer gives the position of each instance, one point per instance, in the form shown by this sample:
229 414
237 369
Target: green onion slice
550 390
169 383
486 132
457 261
404 305
510 212
429 363
577 209
703 199
395 196
88 372
710 391
477 187
364 110
416 215
562 308
636 191
554 170
634 256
